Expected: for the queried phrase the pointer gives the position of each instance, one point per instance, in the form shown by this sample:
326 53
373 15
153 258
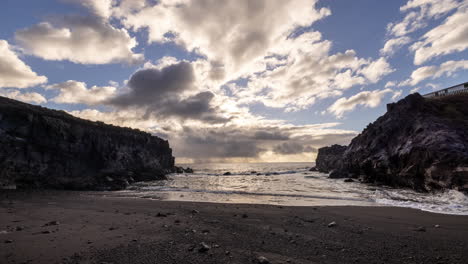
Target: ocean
289 184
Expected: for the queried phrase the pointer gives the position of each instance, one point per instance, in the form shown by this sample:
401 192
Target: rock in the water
419 143
328 158
44 148
227 173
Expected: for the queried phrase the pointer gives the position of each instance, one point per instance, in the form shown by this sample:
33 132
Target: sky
232 80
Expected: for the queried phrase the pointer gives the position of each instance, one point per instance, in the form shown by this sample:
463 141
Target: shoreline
78 227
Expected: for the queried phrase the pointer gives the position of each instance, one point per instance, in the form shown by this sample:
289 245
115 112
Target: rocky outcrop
328 158
419 143
43 148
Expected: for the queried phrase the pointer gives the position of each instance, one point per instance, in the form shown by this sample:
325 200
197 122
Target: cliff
419 143
329 158
43 148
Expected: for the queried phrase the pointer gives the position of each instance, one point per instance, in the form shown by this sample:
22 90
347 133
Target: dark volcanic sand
96 229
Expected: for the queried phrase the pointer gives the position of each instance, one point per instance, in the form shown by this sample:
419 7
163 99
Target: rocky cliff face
419 143
42 148
329 158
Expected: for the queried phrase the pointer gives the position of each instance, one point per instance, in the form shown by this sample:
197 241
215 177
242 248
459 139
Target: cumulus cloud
367 98
14 72
74 92
80 39
169 92
418 15
28 97
101 8
449 37
232 33
393 44
432 72
303 71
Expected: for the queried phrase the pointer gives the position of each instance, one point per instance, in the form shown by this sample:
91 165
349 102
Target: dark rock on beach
419 143
44 148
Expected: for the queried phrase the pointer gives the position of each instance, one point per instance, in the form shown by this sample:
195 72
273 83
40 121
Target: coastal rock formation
419 143
328 158
43 148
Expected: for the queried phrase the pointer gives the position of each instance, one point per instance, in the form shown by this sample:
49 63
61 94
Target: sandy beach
74 227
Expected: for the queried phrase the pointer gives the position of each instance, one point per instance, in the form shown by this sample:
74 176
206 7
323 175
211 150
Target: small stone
52 223
263 260
45 232
227 252
332 224
420 229
349 180
436 226
244 216
19 228
177 221
161 215
203 247
8 241
227 173
195 211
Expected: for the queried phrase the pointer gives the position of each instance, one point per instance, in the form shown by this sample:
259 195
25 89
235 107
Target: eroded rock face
328 158
43 148
419 143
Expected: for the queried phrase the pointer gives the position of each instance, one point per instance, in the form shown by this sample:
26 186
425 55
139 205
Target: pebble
263 260
203 247
420 229
332 224
8 241
436 226
161 215
52 223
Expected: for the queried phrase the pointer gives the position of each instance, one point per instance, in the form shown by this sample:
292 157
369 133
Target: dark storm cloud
287 148
204 144
149 86
159 92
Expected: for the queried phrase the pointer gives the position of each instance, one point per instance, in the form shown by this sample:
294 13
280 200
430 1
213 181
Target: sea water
290 184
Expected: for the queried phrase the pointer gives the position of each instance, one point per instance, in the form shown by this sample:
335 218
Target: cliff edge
44 148
419 143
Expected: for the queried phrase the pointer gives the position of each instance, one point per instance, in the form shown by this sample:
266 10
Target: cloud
253 140
418 15
32 97
231 33
367 98
14 72
74 92
80 39
376 70
449 37
100 8
303 71
393 44
432 72
169 91
288 148
419 12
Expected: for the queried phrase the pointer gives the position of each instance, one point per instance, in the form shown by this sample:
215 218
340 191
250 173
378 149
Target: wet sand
74 227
